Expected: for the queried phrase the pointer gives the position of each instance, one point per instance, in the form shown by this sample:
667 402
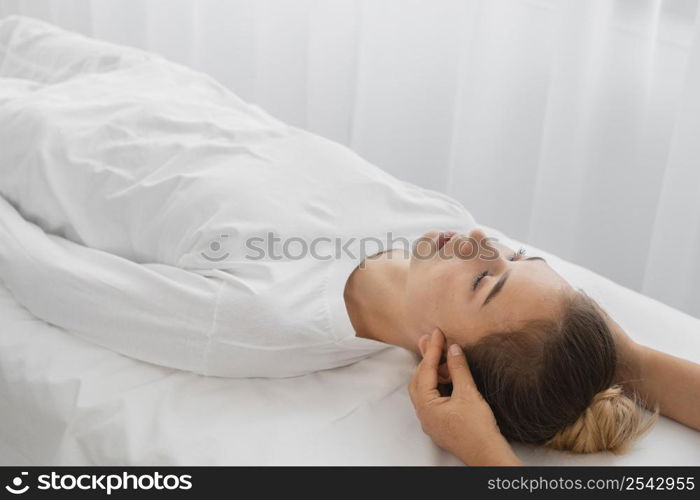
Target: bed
65 401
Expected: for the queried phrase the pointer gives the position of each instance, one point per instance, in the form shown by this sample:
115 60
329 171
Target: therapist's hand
462 423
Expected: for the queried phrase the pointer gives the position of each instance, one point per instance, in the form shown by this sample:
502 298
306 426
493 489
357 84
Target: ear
443 371
423 344
444 374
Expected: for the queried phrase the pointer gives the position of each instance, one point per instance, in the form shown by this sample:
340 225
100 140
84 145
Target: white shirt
154 191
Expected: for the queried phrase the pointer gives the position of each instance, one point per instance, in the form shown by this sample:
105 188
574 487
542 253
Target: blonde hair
612 422
554 382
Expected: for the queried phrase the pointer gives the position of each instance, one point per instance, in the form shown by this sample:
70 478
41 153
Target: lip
443 238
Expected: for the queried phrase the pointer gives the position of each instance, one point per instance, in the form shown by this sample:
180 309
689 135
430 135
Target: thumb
462 380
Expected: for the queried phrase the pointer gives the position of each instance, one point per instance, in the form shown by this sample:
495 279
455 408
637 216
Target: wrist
630 363
491 450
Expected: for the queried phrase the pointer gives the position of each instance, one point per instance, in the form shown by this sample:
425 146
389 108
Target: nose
477 235
489 255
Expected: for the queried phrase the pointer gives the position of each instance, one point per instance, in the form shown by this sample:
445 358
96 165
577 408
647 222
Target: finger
462 380
433 351
426 375
422 397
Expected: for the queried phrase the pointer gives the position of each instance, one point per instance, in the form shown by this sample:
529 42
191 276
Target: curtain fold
672 272
570 124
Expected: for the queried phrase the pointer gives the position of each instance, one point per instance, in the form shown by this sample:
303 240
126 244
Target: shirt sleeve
152 312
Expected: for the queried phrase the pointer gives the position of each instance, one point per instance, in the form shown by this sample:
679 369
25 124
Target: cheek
422 296
432 294
419 301
457 312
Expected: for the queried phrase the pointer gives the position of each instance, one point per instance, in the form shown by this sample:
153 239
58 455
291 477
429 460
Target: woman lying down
153 212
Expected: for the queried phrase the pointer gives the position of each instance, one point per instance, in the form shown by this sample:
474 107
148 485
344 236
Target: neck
376 302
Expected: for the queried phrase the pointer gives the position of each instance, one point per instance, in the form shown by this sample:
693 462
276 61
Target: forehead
533 291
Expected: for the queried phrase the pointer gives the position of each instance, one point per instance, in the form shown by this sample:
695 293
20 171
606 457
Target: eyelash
478 279
516 256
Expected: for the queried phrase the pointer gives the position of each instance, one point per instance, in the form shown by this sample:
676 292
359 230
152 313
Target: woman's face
470 286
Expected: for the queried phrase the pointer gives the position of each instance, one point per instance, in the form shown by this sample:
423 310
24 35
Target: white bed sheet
65 401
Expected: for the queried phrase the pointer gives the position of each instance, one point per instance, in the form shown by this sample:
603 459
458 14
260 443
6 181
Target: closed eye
517 255
478 278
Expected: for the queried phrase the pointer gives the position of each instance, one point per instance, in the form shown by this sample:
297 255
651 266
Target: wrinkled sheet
66 401
120 170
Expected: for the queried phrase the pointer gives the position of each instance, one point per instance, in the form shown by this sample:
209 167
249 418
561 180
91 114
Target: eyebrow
535 258
502 281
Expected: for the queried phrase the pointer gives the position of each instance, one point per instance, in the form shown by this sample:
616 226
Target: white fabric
569 124
144 164
67 401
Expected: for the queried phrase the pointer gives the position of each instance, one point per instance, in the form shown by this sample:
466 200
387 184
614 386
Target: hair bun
611 422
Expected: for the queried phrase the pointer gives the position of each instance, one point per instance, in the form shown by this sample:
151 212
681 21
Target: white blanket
137 166
66 401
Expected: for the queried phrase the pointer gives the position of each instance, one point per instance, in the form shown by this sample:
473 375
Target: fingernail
455 350
435 334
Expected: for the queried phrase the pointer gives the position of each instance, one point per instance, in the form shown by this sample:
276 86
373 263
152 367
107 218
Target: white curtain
571 124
